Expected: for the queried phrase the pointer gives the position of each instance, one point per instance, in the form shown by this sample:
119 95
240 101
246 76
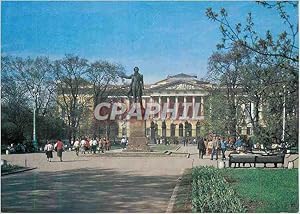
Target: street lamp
34 120
283 115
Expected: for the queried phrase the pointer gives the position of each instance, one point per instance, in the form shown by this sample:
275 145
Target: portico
182 93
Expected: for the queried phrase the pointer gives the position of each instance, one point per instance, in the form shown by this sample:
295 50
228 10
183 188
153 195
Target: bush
211 193
9 168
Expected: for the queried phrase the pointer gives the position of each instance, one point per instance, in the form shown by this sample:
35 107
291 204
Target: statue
136 85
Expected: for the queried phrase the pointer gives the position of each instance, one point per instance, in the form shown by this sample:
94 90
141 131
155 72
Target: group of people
91 145
85 145
58 147
213 145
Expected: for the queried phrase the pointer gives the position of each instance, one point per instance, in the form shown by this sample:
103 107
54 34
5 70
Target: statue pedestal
137 142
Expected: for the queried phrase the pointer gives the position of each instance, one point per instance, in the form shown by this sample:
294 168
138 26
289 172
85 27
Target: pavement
92 183
95 183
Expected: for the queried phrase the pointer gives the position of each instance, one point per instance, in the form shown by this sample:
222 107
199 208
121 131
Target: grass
163 147
265 190
211 192
183 203
116 146
260 190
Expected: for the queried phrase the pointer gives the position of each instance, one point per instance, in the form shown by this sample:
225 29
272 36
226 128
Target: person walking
201 147
101 145
94 145
87 145
82 146
105 144
49 149
59 146
215 148
123 143
223 148
77 147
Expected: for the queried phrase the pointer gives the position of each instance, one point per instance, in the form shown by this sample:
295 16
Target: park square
149 107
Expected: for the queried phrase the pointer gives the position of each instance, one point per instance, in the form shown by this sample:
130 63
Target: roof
171 78
182 75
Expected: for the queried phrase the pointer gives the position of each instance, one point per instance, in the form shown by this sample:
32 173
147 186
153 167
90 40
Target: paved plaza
94 184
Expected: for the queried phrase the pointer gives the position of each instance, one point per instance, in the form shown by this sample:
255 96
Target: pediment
181 86
178 86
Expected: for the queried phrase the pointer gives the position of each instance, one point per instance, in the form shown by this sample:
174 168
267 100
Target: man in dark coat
201 147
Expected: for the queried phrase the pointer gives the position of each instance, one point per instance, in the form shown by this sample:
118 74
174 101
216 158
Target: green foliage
211 193
217 114
262 69
56 89
9 168
266 190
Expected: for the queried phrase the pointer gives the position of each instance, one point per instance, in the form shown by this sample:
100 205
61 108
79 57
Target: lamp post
283 115
34 120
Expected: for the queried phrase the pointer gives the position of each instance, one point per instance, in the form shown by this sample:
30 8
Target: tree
19 77
34 77
224 70
285 46
72 94
103 76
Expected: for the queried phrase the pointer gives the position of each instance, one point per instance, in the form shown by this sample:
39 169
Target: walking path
92 183
95 183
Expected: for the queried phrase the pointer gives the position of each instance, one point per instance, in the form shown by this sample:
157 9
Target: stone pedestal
137 142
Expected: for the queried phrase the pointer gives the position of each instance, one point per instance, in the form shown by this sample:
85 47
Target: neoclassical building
173 91
170 92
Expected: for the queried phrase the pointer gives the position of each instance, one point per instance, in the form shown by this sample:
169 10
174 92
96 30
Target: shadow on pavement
68 160
86 190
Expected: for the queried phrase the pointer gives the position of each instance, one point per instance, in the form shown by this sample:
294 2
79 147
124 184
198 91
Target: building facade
171 92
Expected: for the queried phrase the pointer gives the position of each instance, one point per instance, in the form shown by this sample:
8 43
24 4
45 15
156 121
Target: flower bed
10 168
211 193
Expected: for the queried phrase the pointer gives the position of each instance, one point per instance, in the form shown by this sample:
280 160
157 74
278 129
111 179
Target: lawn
163 147
116 146
259 190
265 190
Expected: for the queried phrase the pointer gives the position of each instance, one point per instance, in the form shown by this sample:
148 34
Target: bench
241 158
275 159
255 158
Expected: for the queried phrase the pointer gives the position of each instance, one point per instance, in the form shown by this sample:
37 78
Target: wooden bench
241 158
275 159
255 159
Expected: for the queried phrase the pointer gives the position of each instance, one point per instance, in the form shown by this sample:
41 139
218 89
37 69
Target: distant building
172 91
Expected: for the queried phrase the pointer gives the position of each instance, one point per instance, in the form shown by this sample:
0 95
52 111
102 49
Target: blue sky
161 38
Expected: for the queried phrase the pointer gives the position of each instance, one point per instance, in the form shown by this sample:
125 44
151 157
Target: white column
193 101
168 104
159 101
202 106
184 99
176 106
151 101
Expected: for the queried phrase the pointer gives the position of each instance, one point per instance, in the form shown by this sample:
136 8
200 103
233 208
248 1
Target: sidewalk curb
174 194
17 171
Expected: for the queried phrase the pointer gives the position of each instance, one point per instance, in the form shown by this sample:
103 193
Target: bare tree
72 90
104 77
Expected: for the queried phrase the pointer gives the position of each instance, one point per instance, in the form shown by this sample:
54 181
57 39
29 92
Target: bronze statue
136 85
